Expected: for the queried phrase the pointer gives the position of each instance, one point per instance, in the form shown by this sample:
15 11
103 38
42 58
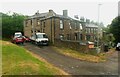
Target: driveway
75 66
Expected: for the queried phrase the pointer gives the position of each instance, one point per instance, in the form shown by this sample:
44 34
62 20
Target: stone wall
74 45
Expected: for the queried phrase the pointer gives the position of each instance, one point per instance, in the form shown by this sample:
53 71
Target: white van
40 39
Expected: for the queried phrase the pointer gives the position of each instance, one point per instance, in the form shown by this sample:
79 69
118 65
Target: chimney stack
65 13
37 12
50 11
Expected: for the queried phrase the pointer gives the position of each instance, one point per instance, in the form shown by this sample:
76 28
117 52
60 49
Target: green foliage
108 38
11 24
114 28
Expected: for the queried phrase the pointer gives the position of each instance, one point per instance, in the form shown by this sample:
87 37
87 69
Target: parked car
18 38
26 39
118 47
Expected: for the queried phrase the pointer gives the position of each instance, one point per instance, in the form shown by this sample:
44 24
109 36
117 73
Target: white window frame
70 25
80 26
88 30
61 24
61 37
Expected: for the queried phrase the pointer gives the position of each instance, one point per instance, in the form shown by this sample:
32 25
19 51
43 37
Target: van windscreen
41 36
45 36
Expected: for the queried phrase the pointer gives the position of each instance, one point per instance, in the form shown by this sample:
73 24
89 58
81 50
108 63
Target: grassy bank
18 61
81 56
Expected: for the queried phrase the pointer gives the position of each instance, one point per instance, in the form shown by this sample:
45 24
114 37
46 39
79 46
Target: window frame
26 23
61 38
61 24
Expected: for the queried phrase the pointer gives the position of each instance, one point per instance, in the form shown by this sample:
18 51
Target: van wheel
36 43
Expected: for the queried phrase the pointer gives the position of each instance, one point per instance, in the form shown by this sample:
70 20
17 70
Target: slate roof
38 15
91 25
44 16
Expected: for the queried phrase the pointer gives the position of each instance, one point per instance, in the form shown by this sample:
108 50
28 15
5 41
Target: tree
114 28
11 24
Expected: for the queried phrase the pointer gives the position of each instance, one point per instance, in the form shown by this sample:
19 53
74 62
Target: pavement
74 66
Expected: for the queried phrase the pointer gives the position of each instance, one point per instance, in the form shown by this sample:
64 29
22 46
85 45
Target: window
70 25
91 38
76 37
44 24
38 23
61 37
31 22
61 24
88 30
80 26
26 23
31 31
95 30
88 37
38 30
41 23
43 31
81 37
75 25
68 37
92 30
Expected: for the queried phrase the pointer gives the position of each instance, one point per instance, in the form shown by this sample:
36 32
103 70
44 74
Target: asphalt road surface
75 66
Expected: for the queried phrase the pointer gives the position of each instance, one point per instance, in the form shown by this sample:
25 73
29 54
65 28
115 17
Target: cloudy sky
89 9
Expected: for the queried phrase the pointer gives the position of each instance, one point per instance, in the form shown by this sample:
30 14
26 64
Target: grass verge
18 61
81 56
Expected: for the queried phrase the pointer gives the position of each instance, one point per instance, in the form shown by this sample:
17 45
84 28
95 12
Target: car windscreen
18 35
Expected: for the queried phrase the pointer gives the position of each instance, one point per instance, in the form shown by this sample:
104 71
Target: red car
18 40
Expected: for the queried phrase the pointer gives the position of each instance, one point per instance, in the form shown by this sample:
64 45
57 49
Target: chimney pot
65 13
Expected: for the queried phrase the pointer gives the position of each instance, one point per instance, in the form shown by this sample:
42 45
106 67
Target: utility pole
98 49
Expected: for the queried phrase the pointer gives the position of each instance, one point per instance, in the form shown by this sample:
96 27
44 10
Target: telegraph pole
98 49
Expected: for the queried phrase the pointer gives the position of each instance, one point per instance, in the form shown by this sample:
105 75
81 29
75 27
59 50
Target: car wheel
22 42
119 48
16 43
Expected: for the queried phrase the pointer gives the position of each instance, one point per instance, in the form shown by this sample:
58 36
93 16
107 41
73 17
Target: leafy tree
11 24
114 28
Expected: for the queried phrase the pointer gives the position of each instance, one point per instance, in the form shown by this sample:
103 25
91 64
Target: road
75 66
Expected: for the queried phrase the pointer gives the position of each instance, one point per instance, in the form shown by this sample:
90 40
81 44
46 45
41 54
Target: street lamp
99 11
98 49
